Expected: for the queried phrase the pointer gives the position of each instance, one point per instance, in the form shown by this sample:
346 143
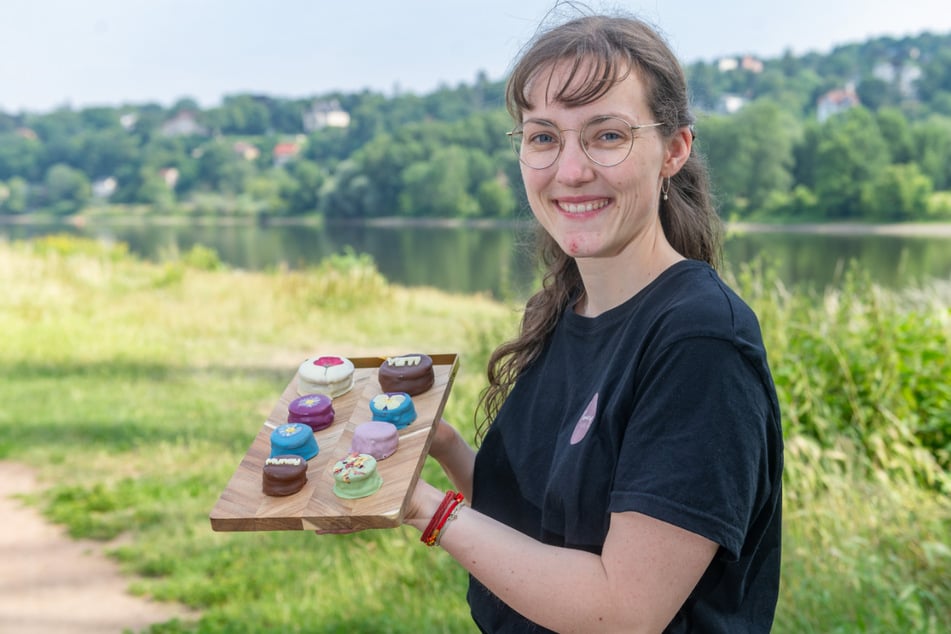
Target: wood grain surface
242 505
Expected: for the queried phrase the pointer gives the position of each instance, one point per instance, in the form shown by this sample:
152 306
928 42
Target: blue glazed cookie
393 407
294 439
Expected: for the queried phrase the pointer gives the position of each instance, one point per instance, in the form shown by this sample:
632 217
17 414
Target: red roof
286 149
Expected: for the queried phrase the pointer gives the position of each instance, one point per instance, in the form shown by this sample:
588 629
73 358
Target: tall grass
864 381
135 389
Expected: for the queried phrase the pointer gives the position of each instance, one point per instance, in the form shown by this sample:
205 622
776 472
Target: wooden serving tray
244 507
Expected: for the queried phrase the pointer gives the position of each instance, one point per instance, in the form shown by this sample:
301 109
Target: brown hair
603 50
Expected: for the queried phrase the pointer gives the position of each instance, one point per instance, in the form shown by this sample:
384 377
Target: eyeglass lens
605 140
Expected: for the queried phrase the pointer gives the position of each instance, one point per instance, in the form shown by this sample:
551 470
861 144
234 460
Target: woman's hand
423 504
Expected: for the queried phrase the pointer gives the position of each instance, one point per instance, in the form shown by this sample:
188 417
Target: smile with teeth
577 208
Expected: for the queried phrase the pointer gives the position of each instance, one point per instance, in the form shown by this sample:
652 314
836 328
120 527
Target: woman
630 478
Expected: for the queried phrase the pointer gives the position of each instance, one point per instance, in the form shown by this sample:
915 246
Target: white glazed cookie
328 375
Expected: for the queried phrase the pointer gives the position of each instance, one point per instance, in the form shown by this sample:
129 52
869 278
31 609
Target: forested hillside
860 133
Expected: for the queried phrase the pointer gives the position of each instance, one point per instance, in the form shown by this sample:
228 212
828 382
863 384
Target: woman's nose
574 165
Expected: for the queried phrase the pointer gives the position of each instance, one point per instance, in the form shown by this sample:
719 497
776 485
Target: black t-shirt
664 406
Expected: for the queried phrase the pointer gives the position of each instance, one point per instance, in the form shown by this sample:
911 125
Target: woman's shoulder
693 299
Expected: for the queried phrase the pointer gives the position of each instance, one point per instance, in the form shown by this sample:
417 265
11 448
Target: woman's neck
611 281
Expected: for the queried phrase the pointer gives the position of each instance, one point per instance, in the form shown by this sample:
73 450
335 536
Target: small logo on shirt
584 423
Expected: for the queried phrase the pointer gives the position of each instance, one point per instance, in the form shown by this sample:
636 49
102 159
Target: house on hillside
728 103
285 152
128 120
185 123
325 114
747 63
103 188
836 101
245 150
750 63
169 176
901 75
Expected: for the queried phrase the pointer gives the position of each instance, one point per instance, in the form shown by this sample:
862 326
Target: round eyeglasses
607 141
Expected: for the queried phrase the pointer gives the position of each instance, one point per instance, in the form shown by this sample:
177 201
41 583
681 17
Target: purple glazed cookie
315 410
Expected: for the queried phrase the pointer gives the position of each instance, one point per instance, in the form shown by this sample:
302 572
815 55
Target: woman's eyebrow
539 122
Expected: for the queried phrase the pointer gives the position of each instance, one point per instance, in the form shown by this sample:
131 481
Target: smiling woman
629 478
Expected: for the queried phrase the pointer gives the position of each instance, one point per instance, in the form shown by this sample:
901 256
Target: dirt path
52 584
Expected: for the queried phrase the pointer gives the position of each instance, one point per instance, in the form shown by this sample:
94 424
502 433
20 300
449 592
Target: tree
67 189
268 189
767 135
243 114
805 152
221 170
104 151
348 193
439 186
932 140
851 153
750 155
14 196
99 118
900 193
20 156
301 191
875 93
153 190
897 134
495 198
718 141
936 75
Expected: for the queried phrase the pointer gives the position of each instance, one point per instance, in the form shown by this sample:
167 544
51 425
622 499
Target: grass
135 389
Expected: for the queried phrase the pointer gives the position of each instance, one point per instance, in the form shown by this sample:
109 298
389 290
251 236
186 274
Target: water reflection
497 260
820 260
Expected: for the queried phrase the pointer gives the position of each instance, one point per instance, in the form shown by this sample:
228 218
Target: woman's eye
543 138
609 136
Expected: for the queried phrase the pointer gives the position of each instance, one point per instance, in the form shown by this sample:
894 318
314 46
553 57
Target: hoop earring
664 189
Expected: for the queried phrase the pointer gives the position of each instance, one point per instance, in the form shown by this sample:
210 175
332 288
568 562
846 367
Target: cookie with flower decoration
393 407
355 476
315 410
294 439
328 375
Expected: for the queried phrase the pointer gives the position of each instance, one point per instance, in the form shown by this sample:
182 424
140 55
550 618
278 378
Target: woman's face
590 210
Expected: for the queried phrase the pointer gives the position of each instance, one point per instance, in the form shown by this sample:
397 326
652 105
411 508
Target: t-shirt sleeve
694 453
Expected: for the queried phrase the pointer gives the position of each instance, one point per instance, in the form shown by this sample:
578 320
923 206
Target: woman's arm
646 571
455 456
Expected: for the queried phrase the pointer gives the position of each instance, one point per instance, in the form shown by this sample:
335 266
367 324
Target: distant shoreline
936 229
921 229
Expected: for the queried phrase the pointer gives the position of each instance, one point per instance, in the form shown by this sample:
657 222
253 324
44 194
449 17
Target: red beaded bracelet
447 508
439 511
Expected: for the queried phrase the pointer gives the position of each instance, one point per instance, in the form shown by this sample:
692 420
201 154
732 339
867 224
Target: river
497 259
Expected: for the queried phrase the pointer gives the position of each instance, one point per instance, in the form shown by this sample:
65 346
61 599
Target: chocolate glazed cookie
410 373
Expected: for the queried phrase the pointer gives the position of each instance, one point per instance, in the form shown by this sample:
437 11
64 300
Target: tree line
861 133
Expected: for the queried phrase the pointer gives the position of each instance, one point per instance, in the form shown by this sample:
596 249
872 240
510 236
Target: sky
56 53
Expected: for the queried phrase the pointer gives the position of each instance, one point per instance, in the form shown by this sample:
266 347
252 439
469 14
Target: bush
864 364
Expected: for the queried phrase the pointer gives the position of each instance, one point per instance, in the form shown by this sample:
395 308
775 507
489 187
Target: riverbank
934 229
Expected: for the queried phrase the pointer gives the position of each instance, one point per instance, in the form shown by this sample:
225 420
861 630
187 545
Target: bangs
588 75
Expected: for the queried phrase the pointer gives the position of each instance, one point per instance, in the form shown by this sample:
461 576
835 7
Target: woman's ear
678 151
